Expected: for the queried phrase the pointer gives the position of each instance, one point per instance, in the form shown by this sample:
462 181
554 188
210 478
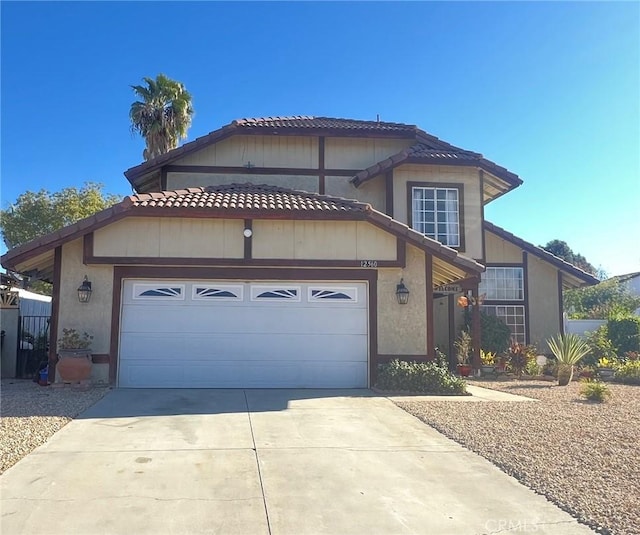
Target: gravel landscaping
580 455
30 414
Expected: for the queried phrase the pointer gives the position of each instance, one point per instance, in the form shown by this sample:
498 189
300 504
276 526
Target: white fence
580 327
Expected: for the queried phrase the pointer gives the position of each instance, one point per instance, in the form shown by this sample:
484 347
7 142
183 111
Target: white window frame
510 314
236 289
256 290
446 225
139 288
351 292
502 283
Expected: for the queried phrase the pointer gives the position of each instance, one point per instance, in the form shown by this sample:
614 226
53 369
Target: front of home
271 252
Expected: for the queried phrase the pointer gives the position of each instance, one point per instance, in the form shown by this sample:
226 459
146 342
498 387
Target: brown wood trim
248 262
483 260
87 248
241 273
428 278
248 242
525 282
163 179
235 170
388 184
504 264
115 325
321 175
401 253
560 303
100 358
55 314
450 185
451 304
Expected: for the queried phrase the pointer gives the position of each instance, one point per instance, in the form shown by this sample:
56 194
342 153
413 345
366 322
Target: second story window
503 284
435 213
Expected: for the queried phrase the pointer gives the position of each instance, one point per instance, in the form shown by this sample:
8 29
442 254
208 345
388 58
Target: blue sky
549 90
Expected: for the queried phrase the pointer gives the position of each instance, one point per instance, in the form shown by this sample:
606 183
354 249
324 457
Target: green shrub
628 373
426 377
533 368
495 335
595 391
600 346
624 334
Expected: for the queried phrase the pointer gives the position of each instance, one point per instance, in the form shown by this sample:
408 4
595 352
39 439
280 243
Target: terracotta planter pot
74 365
565 374
465 370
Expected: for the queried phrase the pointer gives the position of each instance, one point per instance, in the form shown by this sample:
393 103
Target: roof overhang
573 276
36 258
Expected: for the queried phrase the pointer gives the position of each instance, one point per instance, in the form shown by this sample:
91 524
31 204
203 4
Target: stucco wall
353 153
261 151
171 237
372 192
197 180
544 309
325 240
442 174
501 251
402 328
93 317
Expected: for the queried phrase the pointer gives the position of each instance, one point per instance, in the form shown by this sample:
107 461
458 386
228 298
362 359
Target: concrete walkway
263 462
478 394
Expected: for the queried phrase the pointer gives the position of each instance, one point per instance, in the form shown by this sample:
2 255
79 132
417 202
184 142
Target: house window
502 284
435 213
513 316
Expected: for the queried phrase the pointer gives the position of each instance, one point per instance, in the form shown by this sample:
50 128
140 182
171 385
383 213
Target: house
271 252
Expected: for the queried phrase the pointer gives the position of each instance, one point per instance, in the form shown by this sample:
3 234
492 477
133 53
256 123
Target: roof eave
587 278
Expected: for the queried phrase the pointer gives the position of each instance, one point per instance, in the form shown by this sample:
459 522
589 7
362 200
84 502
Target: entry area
238 334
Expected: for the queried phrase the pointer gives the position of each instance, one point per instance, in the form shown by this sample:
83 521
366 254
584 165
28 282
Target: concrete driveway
263 462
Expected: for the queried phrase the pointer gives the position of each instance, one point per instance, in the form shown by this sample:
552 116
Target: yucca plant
568 350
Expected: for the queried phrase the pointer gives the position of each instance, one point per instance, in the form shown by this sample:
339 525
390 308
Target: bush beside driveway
581 455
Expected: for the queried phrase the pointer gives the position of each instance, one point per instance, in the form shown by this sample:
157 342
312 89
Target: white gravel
30 414
580 455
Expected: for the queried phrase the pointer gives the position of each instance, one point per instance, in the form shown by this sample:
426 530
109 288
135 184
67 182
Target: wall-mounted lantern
84 291
402 293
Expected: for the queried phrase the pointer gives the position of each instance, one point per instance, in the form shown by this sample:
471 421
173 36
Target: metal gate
33 345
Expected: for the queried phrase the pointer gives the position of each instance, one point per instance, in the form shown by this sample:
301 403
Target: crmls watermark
512 526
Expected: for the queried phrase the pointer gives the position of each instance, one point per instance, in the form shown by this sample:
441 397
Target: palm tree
163 114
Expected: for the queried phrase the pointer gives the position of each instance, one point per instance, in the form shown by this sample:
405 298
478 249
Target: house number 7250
369 263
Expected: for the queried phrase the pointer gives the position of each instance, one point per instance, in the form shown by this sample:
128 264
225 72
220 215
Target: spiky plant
568 350
163 114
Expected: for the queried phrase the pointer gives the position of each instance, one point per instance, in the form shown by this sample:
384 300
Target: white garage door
229 334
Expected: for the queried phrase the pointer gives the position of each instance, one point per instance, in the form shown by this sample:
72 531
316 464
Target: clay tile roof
329 123
247 197
433 150
326 125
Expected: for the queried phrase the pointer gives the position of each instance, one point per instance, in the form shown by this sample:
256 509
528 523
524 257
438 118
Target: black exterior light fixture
402 293
84 291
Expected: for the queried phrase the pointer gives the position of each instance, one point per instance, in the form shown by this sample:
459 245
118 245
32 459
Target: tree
38 213
162 116
562 250
605 300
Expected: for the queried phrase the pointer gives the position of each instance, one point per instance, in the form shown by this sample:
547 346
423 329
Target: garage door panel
250 347
275 374
243 334
244 320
